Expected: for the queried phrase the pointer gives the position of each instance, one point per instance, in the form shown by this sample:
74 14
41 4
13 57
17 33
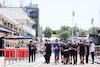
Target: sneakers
62 62
92 63
66 63
70 63
81 62
56 62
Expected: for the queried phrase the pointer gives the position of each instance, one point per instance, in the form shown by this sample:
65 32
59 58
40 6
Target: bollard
24 54
19 55
27 54
13 56
4 57
16 55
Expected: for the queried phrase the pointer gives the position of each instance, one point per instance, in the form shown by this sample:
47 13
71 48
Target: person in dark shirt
74 48
48 53
82 51
47 50
87 55
34 50
31 50
65 50
44 49
62 53
70 53
51 47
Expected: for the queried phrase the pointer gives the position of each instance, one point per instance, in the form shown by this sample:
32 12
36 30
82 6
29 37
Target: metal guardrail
12 55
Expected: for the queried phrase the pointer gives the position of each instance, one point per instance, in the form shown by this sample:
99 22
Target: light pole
76 30
73 15
92 24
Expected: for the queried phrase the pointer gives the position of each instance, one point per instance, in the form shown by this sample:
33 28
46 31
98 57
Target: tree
47 32
54 31
93 30
64 28
64 35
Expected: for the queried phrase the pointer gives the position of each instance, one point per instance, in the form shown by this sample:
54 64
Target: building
33 12
16 22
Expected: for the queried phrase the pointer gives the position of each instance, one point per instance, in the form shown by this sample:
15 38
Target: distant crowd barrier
98 51
17 55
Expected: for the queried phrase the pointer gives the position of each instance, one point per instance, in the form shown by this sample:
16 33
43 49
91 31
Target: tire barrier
12 55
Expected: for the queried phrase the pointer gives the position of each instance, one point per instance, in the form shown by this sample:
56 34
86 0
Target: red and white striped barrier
13 54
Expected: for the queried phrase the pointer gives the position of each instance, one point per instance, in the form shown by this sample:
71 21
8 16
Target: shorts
66 54
56 54
62 53
82 54
70 52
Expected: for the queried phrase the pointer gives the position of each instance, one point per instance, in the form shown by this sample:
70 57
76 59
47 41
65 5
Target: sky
55 13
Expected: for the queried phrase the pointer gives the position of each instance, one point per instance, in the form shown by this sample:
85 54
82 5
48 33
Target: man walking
44 50
87 55
31 50
56 51
70 52
34 50
92 50
65 53
62 53
82 51
74 48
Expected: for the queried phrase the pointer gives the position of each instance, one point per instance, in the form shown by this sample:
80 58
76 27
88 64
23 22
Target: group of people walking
32 50
69 51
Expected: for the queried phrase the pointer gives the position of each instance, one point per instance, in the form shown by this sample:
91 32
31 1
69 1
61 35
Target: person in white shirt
92 50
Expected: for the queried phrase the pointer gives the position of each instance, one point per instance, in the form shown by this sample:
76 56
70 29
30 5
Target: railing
98 51
12 55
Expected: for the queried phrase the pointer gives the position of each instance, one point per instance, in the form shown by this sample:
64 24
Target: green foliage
83 32
54 31
54 35
64 28
47 32
66 31
93 30
64 35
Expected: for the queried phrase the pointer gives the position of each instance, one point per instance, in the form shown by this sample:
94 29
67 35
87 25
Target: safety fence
17 55
98 51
